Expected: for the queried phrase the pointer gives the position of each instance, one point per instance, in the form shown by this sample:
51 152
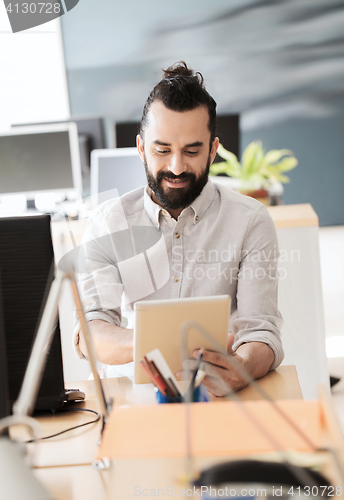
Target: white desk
300 295
63 464
65 468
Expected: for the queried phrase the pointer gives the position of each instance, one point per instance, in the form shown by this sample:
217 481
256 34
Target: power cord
70 428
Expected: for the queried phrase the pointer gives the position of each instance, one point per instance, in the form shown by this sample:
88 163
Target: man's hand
255 357
221 377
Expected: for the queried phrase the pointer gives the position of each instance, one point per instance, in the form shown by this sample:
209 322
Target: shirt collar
153 209
203 201
199 206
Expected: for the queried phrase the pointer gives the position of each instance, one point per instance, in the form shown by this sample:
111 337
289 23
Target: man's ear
214 147
140 147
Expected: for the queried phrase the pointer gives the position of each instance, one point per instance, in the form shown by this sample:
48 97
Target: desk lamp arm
90 348
33 375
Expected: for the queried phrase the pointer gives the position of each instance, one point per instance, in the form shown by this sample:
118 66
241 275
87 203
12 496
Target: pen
175 390
168 388
200 377
197 367
155 372
156 381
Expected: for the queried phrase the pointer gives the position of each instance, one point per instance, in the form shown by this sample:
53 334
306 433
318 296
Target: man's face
176 155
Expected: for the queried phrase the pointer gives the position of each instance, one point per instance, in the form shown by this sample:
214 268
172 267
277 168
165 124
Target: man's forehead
158 109
163 122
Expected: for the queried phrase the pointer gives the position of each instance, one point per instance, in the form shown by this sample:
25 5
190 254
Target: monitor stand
14 205
30 204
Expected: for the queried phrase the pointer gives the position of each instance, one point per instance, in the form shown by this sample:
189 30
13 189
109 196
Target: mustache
170 175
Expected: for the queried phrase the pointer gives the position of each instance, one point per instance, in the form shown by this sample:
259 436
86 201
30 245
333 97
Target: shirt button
177 235
176 279
196 218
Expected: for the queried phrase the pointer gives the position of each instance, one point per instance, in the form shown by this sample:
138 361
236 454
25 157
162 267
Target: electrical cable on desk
70 428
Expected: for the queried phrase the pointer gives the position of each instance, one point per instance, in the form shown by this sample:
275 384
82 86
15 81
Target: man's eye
192 153
161 151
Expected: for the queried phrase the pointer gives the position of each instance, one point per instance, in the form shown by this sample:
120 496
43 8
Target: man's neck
174 213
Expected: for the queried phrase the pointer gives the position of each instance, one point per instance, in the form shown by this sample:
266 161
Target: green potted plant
258 171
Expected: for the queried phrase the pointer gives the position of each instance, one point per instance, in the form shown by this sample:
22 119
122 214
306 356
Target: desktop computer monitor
26 259
126 133
40 159
228 131
111 169
4 395
91 135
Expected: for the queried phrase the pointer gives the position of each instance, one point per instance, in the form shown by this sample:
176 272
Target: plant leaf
256 169
282 178
219 168
287 164
226 155
275 155
252 157
230 167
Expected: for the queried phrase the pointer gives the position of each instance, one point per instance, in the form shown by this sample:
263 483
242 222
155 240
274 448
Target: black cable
70 428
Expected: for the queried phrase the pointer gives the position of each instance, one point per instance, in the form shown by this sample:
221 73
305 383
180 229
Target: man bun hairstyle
181 89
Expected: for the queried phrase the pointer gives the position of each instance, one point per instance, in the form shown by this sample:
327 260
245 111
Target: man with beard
213 241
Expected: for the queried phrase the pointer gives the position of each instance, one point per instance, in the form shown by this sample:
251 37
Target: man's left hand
222 378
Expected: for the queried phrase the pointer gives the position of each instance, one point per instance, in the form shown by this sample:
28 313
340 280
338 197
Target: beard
177 198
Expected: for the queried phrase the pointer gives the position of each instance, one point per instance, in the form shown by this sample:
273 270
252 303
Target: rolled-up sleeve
258 318
99 280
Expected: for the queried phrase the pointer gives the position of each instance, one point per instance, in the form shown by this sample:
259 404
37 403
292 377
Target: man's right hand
113 344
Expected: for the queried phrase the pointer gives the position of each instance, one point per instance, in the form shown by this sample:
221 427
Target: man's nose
177 165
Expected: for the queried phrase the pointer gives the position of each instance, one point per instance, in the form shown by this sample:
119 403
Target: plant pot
261 195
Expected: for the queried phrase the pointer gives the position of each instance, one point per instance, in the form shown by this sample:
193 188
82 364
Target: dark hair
181 89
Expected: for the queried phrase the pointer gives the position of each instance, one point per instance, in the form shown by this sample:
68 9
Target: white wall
33 85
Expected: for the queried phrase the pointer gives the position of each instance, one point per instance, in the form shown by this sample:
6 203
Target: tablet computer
158 325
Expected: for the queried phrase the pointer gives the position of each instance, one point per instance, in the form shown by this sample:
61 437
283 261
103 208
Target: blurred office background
279 64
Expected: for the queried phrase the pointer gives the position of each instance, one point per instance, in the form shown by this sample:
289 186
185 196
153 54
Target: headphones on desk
270 473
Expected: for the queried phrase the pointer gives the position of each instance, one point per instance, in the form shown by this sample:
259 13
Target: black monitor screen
4 397
126 133
26 257
227 130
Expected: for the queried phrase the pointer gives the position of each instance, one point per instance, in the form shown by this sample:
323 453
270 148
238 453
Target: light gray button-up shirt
224 243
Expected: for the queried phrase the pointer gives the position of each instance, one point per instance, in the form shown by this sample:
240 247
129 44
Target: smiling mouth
176 182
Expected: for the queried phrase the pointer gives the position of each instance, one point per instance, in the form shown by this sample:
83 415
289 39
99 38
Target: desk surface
82 443
82 482
301 215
